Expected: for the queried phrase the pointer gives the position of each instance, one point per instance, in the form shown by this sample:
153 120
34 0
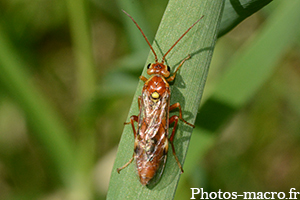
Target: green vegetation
69 70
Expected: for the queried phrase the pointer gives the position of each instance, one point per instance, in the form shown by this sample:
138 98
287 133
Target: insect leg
143 78
171 78
174 119
130 161
177 105
132 119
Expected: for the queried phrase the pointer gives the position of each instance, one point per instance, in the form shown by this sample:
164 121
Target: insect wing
152 137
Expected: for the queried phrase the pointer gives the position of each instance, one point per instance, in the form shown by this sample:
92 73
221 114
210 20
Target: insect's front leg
143 78
171 78
177 105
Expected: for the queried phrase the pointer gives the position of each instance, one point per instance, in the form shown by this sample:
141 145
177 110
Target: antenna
156 60
163 58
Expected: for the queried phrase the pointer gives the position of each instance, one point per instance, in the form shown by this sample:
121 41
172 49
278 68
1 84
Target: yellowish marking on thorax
155 96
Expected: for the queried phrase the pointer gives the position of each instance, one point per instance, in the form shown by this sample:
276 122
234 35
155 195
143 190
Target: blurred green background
69 70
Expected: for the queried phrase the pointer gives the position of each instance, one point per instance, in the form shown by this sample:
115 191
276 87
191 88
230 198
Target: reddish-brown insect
151 137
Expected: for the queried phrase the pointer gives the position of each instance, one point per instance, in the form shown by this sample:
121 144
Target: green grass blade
260 57
187 89
251 67
48 127
201 142
235 11
82 47
249 70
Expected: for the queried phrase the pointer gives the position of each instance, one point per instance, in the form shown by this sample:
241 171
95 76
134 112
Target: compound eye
148 66
168 68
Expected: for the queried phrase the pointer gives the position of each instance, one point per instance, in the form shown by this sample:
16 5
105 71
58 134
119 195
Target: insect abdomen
151 157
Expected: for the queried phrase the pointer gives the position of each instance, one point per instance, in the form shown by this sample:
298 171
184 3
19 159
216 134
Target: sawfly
152 133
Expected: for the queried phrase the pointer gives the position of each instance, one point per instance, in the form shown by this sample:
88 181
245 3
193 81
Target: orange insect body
152 135
151 142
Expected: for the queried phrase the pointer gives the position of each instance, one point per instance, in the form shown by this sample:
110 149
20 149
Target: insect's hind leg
175 120
133 118
124 166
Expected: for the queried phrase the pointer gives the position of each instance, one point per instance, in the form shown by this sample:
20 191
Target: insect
152 134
